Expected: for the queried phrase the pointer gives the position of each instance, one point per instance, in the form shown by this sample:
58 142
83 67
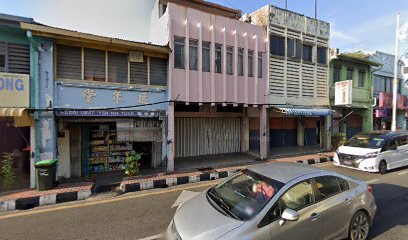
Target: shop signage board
14 90
343 93
106 113
381 113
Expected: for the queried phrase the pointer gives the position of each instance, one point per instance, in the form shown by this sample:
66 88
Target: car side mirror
289 215
393 148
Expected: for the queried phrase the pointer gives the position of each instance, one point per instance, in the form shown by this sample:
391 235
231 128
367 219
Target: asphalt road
144 214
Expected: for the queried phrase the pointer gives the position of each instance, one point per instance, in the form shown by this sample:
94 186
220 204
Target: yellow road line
100 201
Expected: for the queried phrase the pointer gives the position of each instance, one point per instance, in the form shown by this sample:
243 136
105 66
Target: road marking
20 214
184 196
158 236
372 180
402 173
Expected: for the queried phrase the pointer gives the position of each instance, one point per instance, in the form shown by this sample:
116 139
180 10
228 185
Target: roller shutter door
206 136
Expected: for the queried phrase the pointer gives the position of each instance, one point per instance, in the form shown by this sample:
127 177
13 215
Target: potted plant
338 139
131 165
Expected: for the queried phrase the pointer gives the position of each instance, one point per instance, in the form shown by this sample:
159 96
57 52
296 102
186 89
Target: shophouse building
99 98
351 94
17 131
299 116
382 83
218 75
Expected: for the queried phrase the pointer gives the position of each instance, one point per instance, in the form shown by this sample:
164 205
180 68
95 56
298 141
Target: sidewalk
26 199
164 180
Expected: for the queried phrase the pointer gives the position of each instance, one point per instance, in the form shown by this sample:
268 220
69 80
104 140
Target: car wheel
382 167
359 226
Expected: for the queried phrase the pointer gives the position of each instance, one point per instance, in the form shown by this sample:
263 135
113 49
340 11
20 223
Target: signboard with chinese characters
14 90
135 56
381 113
385 100
343 93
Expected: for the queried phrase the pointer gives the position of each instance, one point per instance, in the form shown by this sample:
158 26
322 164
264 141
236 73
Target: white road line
372 180
158 236
402 173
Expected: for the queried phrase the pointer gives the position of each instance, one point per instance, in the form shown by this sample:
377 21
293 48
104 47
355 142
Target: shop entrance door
146 149
354 125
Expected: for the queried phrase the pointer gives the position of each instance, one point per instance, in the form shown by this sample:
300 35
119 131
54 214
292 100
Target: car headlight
371 155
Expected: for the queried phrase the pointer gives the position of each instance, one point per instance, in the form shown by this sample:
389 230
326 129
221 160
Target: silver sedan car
278 201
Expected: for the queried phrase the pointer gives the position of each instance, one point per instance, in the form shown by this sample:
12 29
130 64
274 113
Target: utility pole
315 9
395 81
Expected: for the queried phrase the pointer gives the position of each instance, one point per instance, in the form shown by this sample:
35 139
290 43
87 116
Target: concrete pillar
326 133
264 133
367 116
245 132
48 136
32 157
170 138
300 133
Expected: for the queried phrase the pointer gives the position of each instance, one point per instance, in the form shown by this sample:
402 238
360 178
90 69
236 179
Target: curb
171 180
31 202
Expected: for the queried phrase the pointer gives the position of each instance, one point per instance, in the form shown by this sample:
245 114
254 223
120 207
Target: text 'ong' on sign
14 90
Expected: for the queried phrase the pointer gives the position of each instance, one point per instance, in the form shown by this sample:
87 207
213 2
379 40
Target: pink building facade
218 71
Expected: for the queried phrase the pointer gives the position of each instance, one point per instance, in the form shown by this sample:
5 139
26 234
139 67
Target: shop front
15 123
121 121
382 116
297 130
96 141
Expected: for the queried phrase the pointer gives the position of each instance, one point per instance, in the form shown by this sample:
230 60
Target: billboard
343 93
14 90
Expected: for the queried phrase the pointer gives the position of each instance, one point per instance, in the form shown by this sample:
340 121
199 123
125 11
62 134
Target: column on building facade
300 133
327 133
47 144
170 138
367 115
264 133
245 132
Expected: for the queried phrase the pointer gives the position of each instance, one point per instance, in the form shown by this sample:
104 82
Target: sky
366 25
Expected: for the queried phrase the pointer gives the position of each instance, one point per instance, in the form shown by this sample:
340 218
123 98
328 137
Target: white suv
377 151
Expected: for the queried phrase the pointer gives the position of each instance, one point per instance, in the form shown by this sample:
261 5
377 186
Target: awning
12 112
313 112
20 115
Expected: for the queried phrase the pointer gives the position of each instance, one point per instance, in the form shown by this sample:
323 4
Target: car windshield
244 195
365 142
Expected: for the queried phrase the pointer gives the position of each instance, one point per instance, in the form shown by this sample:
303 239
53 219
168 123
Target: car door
301 198
402 151
392 154
335 206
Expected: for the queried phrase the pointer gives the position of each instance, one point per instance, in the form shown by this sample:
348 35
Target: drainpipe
36 92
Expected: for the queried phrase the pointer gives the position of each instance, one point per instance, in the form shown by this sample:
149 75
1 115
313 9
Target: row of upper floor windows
230 55
296 49
350 75
80 63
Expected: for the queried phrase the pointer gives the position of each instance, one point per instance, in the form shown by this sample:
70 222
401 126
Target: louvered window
69 64
158 71
95 65
138 72
2 57
117 67
18 58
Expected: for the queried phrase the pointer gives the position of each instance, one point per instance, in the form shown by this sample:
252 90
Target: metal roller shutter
206 136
